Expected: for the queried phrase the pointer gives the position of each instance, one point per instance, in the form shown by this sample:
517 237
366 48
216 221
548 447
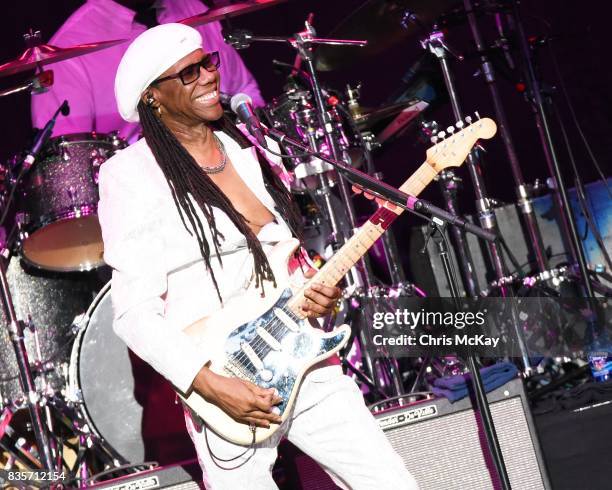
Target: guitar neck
357 246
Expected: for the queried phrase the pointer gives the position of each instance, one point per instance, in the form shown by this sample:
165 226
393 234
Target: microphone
242 105
43 136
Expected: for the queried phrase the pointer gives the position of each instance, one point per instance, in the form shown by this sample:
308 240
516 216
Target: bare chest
242 198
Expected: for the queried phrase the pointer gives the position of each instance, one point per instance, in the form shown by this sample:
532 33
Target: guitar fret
358 245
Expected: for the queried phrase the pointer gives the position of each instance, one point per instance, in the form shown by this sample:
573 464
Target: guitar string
259 342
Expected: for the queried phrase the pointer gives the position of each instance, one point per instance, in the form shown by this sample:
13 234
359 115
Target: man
188 214
87 81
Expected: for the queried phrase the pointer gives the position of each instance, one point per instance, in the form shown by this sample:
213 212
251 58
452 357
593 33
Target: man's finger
318 299
329 291
273 417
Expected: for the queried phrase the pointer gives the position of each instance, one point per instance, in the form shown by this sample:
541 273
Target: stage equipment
550 151
229 11
382 24
448 436
49 302
38 54
59 203
402 200
183 476
449 182
32 398
549 222
321 126
98 355
522 189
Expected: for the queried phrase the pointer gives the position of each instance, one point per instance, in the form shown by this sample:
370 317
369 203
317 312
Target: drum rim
112 139
84 210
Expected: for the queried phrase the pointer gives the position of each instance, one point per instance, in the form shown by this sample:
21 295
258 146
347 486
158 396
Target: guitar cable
216 459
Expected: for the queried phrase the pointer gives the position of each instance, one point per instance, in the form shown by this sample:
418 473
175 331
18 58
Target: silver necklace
221 166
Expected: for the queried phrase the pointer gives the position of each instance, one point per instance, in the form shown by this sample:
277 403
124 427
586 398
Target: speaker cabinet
182 476
443 446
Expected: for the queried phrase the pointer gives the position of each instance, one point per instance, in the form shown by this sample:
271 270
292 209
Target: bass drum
124 401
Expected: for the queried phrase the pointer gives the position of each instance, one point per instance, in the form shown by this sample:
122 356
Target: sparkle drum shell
50 301
60 202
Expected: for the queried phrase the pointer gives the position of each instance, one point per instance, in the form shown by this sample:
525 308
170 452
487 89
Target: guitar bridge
235 369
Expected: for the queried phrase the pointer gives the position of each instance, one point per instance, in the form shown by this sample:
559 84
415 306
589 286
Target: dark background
581 39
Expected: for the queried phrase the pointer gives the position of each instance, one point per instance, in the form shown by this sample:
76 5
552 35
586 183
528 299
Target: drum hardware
38 54
15 328
229 11
60 229
555 276
541 116
382 24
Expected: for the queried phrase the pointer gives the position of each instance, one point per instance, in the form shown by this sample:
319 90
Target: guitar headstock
454 147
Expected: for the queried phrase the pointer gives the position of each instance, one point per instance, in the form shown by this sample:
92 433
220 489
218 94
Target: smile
209 97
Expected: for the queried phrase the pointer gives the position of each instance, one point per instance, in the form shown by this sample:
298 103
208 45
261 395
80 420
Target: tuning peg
468 119
450 130
434 139
477 115
441 134
459 124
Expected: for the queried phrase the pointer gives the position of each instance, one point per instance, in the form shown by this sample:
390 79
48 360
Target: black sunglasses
191 73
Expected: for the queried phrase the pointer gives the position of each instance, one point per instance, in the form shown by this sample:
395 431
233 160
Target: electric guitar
268 340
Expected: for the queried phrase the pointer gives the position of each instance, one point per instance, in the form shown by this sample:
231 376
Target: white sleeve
132 229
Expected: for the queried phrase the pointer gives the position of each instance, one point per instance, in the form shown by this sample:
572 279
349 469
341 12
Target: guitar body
259 339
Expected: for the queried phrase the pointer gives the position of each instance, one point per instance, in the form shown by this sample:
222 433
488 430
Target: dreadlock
187 180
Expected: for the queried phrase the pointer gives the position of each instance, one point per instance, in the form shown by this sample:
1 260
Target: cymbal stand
522 189
449 182
26 380
552 161
437 45
303 42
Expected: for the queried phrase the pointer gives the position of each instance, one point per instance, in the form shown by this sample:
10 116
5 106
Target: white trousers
330 423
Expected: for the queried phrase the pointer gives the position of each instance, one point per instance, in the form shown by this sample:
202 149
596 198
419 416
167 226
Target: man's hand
320 299
245 402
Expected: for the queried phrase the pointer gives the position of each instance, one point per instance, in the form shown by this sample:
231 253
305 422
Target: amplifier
510 225
181 476
442 444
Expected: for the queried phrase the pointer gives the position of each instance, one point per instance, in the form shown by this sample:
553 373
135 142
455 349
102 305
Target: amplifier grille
445 451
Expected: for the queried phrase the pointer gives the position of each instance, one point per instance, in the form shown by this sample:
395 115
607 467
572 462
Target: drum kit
54 251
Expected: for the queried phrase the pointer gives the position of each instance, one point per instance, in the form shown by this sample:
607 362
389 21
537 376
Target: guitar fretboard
357 246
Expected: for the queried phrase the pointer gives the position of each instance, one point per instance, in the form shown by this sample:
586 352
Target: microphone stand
416 206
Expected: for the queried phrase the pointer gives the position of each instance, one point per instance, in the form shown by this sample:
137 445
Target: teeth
208 96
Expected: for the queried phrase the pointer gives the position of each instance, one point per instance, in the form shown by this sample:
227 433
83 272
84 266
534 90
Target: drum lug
22 219
79 323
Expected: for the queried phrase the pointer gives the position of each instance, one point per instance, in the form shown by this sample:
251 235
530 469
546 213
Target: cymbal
229 11
380 23
45 54
370 117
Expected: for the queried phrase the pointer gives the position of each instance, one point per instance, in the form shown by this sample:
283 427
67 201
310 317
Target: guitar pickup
268 338
252 355
289 322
